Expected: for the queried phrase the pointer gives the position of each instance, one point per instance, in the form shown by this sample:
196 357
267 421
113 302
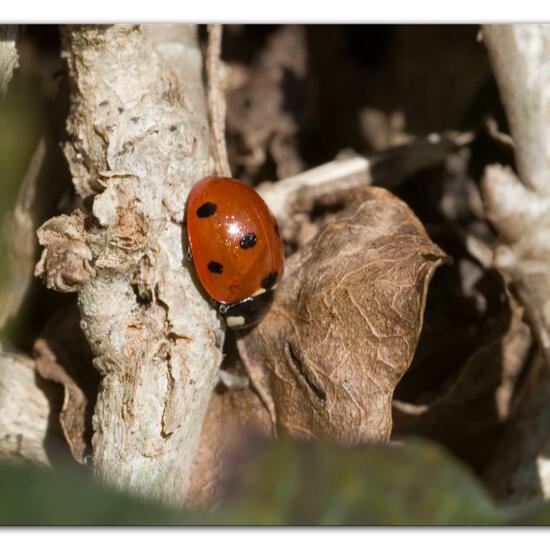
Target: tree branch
519 207
139 140
24 411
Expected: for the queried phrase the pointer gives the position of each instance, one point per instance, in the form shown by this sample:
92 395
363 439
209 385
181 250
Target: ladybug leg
189 254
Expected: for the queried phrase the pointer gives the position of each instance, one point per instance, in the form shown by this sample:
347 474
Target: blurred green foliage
315 484
22 114
22 117
38 496
287 484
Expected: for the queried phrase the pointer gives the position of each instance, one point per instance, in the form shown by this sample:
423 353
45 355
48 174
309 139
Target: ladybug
236 248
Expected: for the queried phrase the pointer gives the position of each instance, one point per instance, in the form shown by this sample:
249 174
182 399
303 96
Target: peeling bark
139 140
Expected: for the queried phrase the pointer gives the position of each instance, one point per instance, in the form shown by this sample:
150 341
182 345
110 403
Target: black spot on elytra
207 209
215 267
269 281
248 241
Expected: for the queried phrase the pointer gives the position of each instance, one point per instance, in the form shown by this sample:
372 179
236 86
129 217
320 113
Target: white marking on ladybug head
259 291
235 321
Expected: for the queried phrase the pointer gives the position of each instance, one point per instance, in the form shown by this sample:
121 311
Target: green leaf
37 496
535 513
316 484
288 484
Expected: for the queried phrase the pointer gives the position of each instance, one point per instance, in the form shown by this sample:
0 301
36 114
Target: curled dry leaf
345 322
72 413
63 355
468 409
519 469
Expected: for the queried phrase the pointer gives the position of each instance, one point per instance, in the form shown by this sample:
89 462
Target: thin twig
216 98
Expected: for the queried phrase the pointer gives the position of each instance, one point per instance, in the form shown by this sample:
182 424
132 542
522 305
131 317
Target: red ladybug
236 248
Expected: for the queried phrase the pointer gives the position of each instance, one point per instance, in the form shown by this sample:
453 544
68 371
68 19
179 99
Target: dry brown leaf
232 417
518 471
345 322
63 356
467 411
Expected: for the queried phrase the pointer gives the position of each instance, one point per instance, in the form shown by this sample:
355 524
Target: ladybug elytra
236 248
